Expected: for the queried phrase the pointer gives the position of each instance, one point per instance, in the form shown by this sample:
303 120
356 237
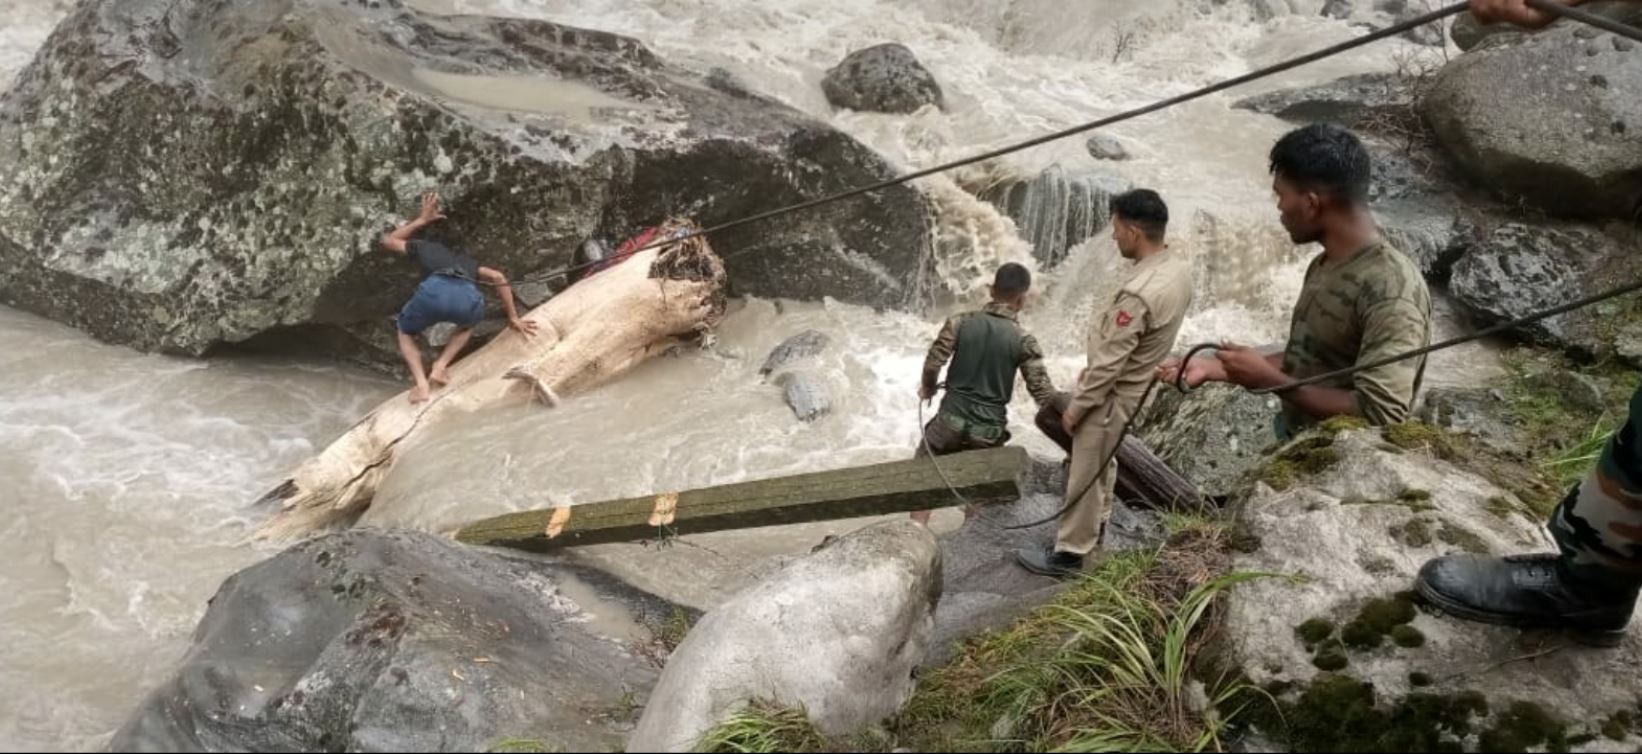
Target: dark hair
1012 280
1326 157
1144 209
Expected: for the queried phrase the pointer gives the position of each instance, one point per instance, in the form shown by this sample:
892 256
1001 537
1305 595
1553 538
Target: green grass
519 746
1564 439
764 727
1108 667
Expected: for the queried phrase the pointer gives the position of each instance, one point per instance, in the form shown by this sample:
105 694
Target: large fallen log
981 477
598 328
1145 480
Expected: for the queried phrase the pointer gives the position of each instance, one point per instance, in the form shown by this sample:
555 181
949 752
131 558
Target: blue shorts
442 298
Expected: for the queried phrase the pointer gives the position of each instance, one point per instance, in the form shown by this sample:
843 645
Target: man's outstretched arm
401 236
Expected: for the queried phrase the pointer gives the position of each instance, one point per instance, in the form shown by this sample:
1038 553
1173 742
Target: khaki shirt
1369 307
1134 334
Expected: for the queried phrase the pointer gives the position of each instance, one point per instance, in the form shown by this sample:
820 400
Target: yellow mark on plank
556 524
665 510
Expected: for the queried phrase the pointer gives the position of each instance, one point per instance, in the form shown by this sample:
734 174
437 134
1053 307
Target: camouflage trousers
1598 526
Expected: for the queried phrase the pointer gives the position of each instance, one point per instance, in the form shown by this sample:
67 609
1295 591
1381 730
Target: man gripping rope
986 349
1362 301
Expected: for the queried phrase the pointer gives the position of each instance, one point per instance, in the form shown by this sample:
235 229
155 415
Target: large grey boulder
1345 101
886 78
837 634
1212 436
1552 117
1520 269
178 175
399 641
1372 672
1057 209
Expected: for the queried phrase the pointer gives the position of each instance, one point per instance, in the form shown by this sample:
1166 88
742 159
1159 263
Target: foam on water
127 476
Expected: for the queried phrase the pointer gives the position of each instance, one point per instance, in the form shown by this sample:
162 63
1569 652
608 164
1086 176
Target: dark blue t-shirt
438 259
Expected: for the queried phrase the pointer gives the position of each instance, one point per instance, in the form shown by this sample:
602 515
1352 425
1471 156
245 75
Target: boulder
399 641
1345 101
1103 147
1414 196
179 175
1521 269
1357 666
1478 412
806 394
796 348
886 78
837 634
1057 209
983 588
1212 436
1566 139
1468 33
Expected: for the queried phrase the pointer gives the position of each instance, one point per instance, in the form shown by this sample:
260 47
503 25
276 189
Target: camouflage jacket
986 348
1372 306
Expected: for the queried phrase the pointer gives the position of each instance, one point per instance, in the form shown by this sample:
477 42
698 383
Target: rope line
1196 94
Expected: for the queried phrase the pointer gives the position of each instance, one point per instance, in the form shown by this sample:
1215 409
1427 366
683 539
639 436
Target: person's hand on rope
925 393
1516 12
1199 371
1248 367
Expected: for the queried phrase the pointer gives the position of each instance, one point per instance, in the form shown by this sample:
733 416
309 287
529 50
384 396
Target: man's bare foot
419 394
439 376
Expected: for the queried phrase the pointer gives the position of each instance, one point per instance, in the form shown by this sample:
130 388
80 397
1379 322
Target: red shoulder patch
1124 318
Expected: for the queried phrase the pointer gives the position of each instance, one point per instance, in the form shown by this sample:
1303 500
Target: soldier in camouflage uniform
986 349
1589 587
1362 301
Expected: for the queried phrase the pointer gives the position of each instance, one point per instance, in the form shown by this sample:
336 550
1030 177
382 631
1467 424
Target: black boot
1044 563
1529 591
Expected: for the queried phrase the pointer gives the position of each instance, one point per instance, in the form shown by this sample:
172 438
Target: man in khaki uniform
1127 341
1363 300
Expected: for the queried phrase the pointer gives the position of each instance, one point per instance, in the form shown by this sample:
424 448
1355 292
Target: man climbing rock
986 348
1362 301
449 293
1590 587
1126 343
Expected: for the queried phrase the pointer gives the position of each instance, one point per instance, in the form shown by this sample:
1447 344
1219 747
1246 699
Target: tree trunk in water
595 330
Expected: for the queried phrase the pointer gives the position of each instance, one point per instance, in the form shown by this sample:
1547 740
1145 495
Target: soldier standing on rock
449 293
1363 300
986 348
1590 587
1126 343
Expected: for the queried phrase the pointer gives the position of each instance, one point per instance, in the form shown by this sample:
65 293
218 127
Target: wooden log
982 477
1144 479
592 332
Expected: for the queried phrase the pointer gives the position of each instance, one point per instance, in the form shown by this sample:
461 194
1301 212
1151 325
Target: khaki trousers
1097 437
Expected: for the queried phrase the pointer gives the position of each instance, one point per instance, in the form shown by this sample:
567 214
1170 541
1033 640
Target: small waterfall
1057 209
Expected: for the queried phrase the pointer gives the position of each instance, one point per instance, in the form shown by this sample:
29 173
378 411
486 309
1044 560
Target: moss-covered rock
180 174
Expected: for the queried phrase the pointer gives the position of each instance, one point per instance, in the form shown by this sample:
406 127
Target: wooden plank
982 477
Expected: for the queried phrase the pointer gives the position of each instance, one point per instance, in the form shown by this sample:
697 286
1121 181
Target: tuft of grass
764 727
519 746
1110 666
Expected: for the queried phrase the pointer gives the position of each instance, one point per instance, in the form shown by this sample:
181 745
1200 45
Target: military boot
1531 592
1058 565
